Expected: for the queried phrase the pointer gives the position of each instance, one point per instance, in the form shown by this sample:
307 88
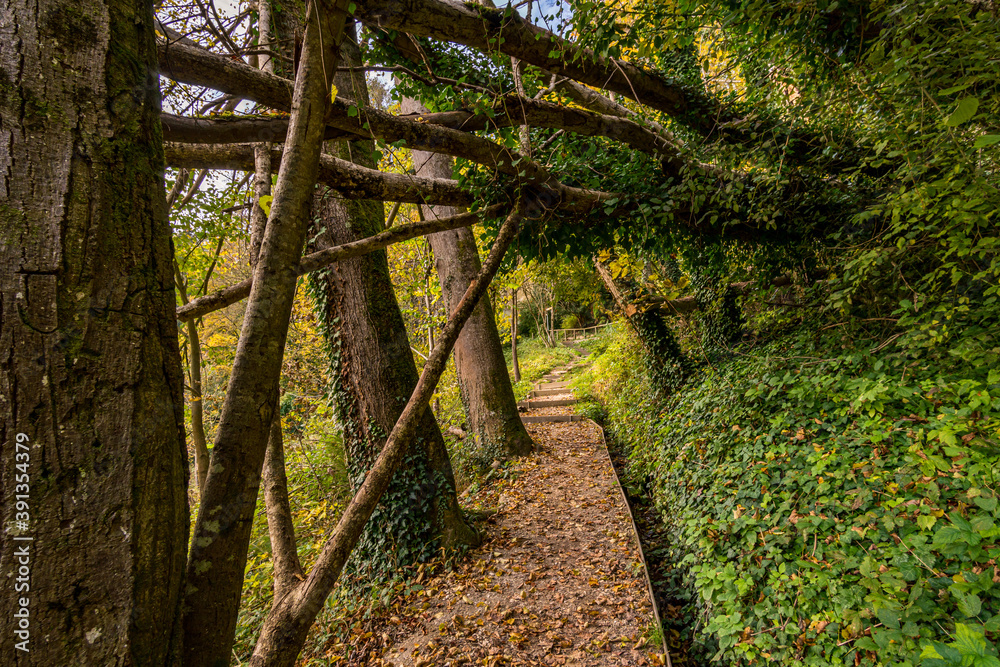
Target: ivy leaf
970 605
966 110
926 521
890 617
986 140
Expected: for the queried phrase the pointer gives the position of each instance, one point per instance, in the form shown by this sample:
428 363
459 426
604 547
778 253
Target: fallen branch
509 111
514 110
352 181
202 67
317 260
494 30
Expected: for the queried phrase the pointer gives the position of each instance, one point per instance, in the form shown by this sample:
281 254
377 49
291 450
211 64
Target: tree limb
202 67
317 260
351 180
217 560
493 30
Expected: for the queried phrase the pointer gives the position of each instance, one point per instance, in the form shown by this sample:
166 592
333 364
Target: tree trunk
217 560
668 365
196 403
198 439
280 523
483 380
513 335
288 623
373 374
91 407
280 527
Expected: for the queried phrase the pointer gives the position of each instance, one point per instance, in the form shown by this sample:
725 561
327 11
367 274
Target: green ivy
828 504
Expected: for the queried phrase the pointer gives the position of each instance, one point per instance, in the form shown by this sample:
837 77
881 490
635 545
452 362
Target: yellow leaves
221 338
265 203
333 93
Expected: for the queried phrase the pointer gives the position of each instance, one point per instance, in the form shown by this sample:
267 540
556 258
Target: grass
536 361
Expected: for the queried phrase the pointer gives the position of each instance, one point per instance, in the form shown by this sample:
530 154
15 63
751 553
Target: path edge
638 541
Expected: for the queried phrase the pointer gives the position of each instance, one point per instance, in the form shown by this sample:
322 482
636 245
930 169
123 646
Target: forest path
557 581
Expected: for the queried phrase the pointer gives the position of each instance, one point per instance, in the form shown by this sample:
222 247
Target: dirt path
558 580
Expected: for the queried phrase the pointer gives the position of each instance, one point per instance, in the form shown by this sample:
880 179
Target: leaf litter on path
557 581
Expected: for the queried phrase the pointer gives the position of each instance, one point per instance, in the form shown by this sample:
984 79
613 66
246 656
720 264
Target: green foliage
536 360
319 490
569 322
828 504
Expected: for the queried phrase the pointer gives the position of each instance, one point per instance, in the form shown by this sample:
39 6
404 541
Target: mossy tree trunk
668 364
90 371
483 379
373 373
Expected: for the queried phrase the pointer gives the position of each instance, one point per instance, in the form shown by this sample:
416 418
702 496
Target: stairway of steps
550 392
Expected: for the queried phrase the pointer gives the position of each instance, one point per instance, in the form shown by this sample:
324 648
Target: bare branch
351 180
317 260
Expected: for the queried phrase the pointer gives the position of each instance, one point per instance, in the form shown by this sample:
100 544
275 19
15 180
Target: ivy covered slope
830 504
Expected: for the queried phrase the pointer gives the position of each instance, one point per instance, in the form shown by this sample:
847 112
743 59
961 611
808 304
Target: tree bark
280 526
483 380
217 560
286 626
91 407
280 523
513 335
373 372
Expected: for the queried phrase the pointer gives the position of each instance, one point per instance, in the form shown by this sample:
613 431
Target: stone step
534 405
538 419
551 385
549 391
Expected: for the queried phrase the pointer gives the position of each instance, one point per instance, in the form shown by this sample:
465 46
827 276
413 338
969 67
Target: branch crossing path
559 579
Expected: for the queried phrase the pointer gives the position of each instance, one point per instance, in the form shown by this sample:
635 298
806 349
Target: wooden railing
578 334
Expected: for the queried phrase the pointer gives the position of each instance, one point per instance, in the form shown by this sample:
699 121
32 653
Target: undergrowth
318 492
535 361
829 498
